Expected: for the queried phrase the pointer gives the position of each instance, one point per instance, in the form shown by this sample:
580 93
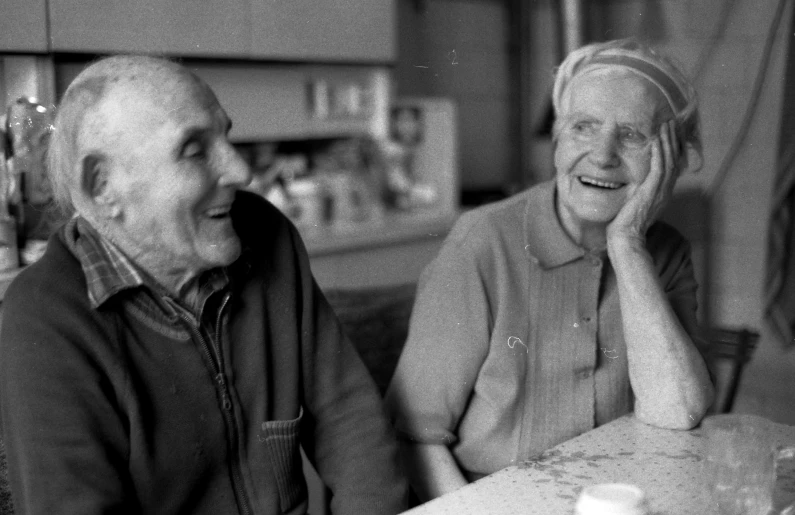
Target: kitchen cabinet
336 30
304 30
271 101
23 26
177 27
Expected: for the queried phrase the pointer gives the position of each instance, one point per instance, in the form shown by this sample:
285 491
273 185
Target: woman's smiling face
602 151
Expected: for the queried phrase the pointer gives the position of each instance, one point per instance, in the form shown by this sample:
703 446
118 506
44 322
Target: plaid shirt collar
108 271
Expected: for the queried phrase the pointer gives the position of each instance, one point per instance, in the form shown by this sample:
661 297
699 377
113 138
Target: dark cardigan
120 409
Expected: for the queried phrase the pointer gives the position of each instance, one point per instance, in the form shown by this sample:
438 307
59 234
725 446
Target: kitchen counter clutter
373 211
665 464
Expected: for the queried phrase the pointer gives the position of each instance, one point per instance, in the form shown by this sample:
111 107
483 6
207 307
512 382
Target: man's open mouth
218 213
607 185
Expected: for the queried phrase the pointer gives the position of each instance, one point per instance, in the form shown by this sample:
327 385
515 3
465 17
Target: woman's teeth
600 184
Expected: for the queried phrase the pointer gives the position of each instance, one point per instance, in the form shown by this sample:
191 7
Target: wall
739 209
26 76
460 49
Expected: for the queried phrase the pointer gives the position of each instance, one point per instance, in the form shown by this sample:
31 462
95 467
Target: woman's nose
604 151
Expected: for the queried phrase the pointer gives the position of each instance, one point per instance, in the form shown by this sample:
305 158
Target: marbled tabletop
666 464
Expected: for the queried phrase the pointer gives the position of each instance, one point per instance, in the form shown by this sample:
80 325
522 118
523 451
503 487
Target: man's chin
222 254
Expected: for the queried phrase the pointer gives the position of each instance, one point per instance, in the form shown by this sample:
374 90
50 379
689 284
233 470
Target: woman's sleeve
447 344
677 273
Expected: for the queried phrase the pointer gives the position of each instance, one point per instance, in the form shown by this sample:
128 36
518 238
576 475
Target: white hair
83 95
642 60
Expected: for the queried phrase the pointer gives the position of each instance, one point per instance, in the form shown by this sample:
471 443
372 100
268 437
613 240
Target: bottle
9 246
9 252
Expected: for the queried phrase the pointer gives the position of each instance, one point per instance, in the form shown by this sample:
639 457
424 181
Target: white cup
611 499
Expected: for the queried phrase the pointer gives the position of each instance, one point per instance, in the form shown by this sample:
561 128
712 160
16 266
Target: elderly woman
567 305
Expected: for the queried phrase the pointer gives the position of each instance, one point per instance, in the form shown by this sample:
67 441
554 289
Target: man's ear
95 176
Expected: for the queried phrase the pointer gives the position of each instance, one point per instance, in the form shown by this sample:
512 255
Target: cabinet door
213 28
329 30
23 26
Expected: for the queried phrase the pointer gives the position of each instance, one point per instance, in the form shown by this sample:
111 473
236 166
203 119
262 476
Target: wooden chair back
729 350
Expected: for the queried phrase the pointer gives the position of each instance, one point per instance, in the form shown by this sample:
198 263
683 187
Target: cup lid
611 499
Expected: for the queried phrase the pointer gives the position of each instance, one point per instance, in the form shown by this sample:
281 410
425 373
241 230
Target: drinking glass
740 461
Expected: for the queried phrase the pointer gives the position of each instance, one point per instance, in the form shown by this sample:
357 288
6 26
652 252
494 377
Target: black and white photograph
374 257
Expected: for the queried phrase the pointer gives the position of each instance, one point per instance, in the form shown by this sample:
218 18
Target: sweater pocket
283 443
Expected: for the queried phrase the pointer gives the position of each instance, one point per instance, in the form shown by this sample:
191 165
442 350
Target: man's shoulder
56 273
258 222
48 293
272 243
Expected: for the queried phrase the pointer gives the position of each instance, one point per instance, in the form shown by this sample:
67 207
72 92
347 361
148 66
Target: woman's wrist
624 245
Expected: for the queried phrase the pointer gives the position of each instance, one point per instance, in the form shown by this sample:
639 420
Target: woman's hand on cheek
648 199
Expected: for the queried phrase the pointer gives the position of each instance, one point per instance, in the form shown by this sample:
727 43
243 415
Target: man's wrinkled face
602 152
176 174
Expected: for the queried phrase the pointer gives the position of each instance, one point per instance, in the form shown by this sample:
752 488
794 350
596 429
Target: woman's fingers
677 144
668 137
657 165
642 208
660 156
661 176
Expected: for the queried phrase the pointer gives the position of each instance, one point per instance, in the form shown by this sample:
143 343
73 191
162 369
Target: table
666 464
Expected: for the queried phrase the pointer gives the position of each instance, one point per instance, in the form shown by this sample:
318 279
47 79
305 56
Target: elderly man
171 352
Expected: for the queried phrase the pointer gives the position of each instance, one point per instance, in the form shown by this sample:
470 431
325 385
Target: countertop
394 228
666 464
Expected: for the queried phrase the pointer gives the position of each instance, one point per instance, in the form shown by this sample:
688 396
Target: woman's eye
632 138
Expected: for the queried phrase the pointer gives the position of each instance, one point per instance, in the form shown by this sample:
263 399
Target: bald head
100 101
143 153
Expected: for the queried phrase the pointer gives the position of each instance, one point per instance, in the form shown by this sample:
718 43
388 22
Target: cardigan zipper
214 355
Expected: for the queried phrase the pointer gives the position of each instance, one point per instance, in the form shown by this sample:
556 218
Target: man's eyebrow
579 117
194 132
580 114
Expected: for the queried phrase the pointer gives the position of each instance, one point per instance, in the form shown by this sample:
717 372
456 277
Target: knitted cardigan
122 409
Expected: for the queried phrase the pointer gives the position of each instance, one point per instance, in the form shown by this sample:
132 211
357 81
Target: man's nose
604 151
234 171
